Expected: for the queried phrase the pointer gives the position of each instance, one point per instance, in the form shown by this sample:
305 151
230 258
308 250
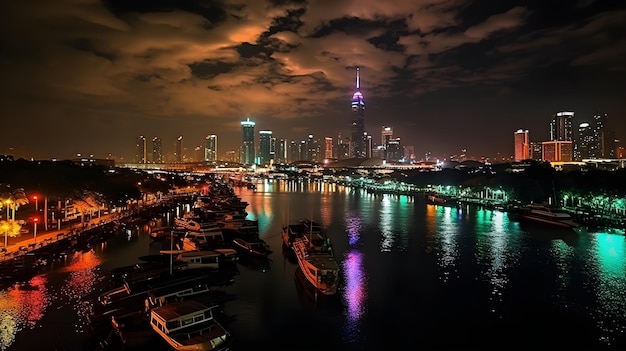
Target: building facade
157 150
247 146
561 126
266 147
210 148
557 151
141 151
521 144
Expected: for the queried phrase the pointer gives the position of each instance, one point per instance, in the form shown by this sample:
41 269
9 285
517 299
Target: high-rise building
561 126
584 143
210 148
282 153
266 149
328 148
312 149
357 141
294 151
386 134
605 137
178 154
141 150
157 150
394 150
247 147
521 144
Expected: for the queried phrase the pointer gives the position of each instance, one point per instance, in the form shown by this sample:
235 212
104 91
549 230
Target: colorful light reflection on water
22 306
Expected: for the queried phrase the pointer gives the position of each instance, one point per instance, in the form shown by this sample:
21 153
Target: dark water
424 276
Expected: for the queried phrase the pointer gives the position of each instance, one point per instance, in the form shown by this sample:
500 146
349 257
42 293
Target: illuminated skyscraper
141 150
266 149
210 148
521 144
178 155
247 147
157 150
357 135
328 148
561 126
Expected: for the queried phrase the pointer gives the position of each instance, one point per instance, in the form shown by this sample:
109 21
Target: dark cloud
89 76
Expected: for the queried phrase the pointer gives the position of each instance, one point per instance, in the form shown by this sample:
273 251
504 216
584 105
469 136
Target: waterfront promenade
26 242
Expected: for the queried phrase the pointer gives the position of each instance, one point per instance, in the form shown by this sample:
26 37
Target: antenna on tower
358 82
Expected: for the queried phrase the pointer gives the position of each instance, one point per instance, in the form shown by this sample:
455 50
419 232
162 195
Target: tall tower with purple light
357 136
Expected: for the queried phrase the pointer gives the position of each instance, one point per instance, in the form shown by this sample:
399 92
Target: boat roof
180 309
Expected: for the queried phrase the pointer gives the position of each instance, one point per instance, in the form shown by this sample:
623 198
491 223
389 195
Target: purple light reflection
354 294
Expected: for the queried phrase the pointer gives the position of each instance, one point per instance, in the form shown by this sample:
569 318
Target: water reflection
22 306
355 290
444 222
609 252
496 255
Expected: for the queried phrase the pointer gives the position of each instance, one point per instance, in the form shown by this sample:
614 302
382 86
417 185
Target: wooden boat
252 247
291 232
190 325
318 264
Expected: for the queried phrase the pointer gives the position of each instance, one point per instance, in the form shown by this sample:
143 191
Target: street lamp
35 220
36 203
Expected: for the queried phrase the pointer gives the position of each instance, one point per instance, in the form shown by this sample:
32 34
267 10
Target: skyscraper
247 147
328 148
210 148
521 144
140 150
178 155
266 149
386 135
561 126
157 150
357 135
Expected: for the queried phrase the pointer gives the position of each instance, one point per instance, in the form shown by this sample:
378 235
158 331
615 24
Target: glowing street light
36 198
35 220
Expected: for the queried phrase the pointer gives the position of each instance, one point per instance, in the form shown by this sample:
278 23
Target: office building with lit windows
210 148
561 126
266 147
157 150
521 144
141 150
248 152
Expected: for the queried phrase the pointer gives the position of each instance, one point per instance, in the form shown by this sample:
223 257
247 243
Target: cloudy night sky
89 76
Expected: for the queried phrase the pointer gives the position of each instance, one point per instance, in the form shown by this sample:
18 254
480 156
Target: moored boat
252 247
318 264
190 325
551 215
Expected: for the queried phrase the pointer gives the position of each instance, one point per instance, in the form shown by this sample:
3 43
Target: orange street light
36 202
35 220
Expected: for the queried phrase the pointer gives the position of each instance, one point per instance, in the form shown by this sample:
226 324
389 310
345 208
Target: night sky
89 77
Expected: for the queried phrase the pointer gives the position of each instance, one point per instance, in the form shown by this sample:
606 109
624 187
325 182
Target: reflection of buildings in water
446 239
354 293
498 256
22 306
610 254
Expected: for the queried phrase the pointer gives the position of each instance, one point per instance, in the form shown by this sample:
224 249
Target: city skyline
447 76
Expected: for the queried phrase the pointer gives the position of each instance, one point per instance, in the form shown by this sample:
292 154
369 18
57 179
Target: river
414 274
